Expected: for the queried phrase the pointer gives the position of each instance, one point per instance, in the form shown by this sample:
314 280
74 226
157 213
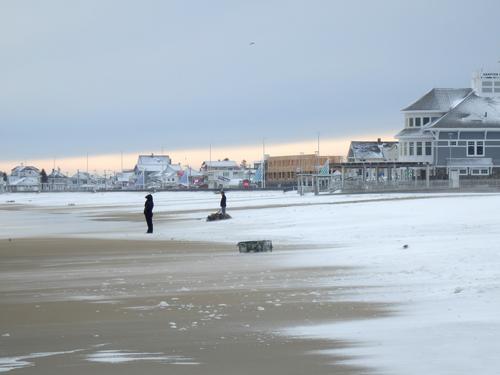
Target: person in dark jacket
223 203
148 212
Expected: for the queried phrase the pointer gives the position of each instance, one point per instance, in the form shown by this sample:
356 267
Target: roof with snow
153 163
475 112
56 174
441 100
220 164
411 132
82 175
22 168
153 159
363 150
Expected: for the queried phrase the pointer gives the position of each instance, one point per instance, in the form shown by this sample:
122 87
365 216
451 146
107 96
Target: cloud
110 76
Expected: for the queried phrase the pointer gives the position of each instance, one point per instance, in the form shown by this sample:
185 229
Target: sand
182 307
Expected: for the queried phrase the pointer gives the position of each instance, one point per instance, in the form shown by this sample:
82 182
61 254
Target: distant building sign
490 75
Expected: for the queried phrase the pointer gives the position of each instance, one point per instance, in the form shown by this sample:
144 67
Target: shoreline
201 301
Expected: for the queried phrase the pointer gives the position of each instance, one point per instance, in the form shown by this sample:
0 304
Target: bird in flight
251 43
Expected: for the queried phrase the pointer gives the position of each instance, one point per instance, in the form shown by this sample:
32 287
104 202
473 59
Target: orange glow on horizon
111 163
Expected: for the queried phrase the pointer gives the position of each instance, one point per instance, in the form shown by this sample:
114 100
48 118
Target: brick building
283 170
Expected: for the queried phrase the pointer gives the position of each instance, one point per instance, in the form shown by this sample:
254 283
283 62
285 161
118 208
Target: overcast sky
107 76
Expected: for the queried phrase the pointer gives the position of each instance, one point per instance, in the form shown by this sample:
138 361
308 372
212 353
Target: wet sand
182 307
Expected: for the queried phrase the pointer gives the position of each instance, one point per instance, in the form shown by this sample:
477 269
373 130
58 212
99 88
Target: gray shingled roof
439 100
409 131
475 112
412 132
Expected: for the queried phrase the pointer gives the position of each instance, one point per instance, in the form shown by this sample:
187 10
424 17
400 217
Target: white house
165 178
152 163
24 178
150 170
222 173
82 181
125 178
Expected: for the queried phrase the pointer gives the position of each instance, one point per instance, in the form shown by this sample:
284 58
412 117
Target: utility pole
319 166
263 163
318 143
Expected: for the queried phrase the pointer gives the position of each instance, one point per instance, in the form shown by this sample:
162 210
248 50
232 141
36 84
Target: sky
105 77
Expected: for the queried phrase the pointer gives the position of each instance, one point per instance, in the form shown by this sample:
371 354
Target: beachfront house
24 178
57 181
165 178
125 179
150 170
455 130
82 181
368 152
222 174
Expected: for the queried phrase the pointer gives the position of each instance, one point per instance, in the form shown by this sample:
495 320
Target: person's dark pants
223 210
149 221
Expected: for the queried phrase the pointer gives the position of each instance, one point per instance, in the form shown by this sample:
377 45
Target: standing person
148 212
223 203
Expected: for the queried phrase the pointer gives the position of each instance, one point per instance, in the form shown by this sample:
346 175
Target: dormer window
420 121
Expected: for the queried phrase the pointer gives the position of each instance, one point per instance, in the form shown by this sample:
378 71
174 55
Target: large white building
455 129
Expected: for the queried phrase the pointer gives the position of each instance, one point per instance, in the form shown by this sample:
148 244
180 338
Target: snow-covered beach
427 264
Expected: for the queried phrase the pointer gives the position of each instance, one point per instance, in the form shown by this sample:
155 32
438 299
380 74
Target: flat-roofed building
283 170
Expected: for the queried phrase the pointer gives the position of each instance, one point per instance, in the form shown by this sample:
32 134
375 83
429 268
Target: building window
480 148
434 119
462 172
471 148
475 148
410 122
419 148
487 86
417 121
426 120
411 148
428 148
452 143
